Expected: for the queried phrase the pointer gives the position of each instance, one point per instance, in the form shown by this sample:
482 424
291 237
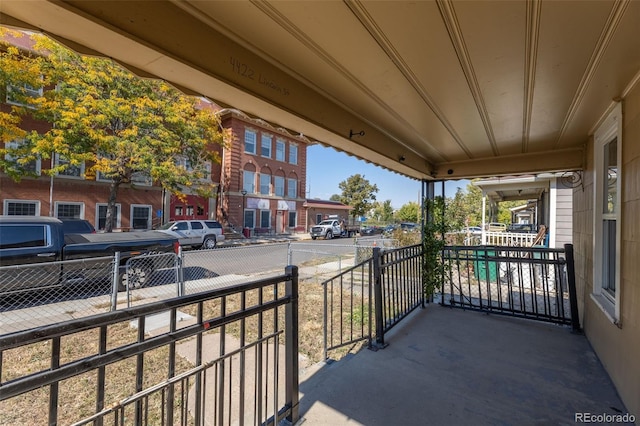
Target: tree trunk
111 206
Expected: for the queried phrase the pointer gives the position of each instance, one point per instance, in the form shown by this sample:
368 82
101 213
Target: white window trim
72 203
263 138
7 201
610 129
15 144
269 189
294 146
289 193
82 170
149 217
255 141
250 187
11 88
118 214
284 150
275 185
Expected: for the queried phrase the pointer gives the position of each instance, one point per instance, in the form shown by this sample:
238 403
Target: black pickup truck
41 243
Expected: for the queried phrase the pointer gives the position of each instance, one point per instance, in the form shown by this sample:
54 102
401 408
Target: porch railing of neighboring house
528 282
242 342
365 301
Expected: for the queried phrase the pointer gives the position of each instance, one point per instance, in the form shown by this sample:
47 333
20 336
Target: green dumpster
481 264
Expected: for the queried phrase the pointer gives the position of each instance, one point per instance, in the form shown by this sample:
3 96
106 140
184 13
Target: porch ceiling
429 89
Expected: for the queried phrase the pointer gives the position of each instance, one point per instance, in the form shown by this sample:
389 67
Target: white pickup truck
330 228
204 234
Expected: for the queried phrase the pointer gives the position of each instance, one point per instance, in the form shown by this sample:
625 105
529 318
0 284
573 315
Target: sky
326 168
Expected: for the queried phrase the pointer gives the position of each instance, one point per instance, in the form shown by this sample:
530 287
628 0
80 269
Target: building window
32 167
318 218
265 146
250 142
279 185
249 219
265 184
280 150
293 219
607 186
140 216
200 210
265 218
22 95
293 154
21 208
71 170
101 217
66 210
249 181
178 211
292 188
190 211
141 179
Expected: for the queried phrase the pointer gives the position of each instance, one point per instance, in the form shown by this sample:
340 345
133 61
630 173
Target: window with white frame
293 154
293 219
607 186
250 141
249 219
21 208
141 179
21 95
265 146
101 216
69 210
72 170
30 167
265 218
249 181
140 216
278 182
292 188
265 184
280 146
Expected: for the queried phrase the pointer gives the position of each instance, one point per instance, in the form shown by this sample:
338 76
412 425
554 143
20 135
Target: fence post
571 281
289 254
114 281
180 272
378 300
292 387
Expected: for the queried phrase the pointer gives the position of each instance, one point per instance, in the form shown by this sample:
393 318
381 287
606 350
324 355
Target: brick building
263 181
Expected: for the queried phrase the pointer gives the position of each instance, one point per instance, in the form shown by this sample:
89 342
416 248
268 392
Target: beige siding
617 346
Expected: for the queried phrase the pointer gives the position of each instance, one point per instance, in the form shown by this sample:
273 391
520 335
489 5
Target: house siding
617 346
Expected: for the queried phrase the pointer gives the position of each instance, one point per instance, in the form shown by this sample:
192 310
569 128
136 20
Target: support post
114 281
571 282
292 386
378 299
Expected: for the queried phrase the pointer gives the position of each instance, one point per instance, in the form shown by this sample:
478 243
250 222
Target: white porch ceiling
441 89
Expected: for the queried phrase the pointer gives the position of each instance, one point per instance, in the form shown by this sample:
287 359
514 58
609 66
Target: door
280 222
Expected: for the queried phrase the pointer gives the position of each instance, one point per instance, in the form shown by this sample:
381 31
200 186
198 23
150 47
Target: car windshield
326 222
167 225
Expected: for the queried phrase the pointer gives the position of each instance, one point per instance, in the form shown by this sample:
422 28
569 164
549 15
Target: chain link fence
46 293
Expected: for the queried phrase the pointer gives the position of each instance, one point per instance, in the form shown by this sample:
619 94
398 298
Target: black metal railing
365 301
220 357
529 282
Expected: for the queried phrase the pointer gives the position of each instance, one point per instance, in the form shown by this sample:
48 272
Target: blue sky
326 168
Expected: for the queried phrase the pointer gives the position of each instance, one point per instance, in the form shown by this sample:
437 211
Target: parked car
39 240
473 230
371 230
522 227
77 226
409 227
204 234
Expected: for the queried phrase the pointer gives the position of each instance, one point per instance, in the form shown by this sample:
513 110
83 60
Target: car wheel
209 243
137 277
313 238
328 235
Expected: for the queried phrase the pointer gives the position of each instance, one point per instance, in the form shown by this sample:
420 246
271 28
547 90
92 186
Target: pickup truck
41 241
330 228
204 234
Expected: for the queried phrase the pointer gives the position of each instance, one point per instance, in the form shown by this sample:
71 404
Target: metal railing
225 363
365 301
535 283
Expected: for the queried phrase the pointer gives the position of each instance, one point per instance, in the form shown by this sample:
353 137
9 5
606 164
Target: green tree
383 212
335 197
123 127
358 193
409 212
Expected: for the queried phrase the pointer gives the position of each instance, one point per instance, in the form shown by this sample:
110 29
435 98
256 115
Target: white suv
204 234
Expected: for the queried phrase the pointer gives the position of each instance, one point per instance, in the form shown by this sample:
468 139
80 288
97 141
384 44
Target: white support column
553 205
484 218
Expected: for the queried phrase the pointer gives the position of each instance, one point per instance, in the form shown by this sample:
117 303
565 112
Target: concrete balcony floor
452 367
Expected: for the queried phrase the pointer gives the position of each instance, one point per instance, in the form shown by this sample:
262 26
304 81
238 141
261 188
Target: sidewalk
262 239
